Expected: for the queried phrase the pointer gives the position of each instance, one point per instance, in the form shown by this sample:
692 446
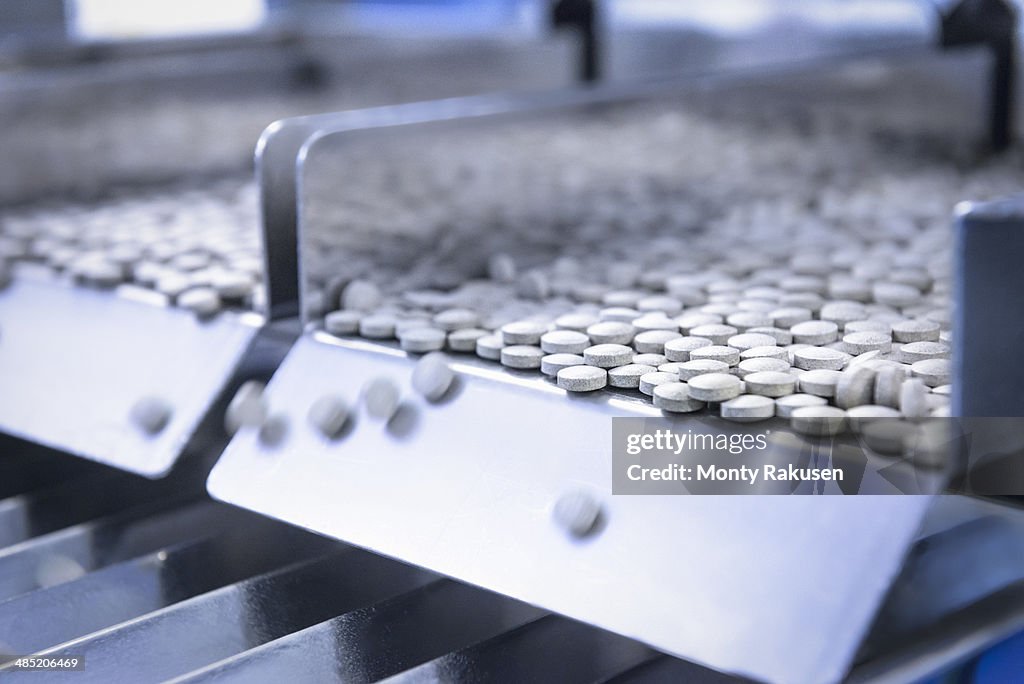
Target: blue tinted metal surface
74 361
793 581
989 329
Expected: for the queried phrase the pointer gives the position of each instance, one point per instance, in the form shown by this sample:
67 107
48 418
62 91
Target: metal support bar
992 23
581 15
989 323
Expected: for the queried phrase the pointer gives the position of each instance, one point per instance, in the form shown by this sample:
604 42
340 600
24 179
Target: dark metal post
992 23
581 15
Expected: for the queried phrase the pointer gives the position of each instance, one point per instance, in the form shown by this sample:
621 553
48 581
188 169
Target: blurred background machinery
119 120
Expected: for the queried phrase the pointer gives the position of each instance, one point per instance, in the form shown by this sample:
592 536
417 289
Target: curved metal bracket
286 144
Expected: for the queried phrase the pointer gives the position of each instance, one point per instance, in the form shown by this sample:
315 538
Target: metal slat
551 649
24 467
101 542
668 669
67 503
228 621
378 641
218 556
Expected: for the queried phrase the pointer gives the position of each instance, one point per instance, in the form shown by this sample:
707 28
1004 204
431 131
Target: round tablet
450 320
842 313
582 378
784 406
855 387
501 268
523 332
718 334
381 397
464 340
670 306
679 349
748 408
578 322
884 435
618 314
151 414
655 321
815 358
770 383
273 430
861 416
778 334
820 383
648 381
716 352
378 326
421 340
521 356
552 363
608 355
650 359
913 399
432 376
895 294
757 365
688 321
671 367
888 382
202 301
248 408
611 332
744 320
404 325
577 513
932 372
868 325
172 284
231 284
653 341
788 316
818 421
693 368
715 387
815 332
746 341
361 295
625 298
943 390
489 347
628 376
564 342
674 397
912 352
342 322
866 341
328 415
915 331
863 359
772 352
806 300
